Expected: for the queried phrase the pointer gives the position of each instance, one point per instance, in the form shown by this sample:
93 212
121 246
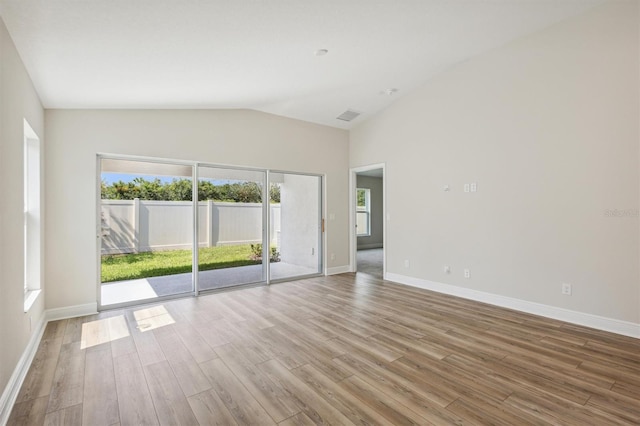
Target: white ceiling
258 54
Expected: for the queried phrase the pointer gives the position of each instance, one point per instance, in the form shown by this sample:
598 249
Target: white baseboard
12 388
612 325
338 270
8 398
71 311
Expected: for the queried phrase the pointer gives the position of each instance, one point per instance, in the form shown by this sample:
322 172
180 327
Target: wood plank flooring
340 350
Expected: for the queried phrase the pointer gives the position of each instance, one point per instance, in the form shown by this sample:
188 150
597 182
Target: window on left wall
31 216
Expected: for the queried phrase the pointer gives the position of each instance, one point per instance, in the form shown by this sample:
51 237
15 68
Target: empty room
320 212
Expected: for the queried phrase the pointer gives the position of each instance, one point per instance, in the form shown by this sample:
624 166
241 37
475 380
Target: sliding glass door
159 239
146 230
231 217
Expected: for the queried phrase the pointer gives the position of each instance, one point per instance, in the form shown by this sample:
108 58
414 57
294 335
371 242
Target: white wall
299 222
547 126
374 184
18 100
236 137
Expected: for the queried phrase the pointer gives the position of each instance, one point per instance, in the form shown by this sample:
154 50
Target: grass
119 267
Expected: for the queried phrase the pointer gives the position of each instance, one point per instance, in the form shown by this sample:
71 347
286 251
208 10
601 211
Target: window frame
366 210
32 220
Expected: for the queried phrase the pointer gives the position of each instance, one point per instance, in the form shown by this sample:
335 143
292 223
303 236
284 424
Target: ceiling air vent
348 115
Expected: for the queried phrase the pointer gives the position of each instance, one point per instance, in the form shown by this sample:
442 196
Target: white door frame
353 239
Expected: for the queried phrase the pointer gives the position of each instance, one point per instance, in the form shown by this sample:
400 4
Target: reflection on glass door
146 221
298 234
230 232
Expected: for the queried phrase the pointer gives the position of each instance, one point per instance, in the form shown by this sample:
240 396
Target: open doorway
368 217
146 230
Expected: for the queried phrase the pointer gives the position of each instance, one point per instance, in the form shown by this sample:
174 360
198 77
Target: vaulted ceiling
259 54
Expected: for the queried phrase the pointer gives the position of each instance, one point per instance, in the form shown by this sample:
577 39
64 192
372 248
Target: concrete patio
149 288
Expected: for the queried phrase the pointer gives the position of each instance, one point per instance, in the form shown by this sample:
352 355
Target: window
363 212
31 216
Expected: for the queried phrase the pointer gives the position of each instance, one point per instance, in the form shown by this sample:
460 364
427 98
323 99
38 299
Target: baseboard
71 311
338 270
8 398
369 246
624 328
10 393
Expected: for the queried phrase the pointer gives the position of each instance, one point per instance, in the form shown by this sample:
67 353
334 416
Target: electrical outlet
467 273
446 269
466 187
406 263
566 289
474 187
333 256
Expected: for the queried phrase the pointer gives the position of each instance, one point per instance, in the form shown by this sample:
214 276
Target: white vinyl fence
132 226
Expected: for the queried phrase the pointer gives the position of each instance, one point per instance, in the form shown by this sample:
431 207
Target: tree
248 192
181 190
362 197
120 191
274 193
150 190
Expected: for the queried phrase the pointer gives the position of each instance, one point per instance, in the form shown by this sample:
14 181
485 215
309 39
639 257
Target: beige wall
547 126
374 184
236 137
18 100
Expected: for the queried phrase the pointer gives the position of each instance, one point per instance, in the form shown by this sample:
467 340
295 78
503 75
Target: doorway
168 229
368 217
140 257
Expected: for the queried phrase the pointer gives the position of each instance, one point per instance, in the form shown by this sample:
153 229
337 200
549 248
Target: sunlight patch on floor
103 331
151 318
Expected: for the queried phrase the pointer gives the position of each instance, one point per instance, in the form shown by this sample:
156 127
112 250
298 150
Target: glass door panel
146 216
230 217
297 235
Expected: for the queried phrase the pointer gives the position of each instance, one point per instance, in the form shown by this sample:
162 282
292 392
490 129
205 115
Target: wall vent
348 115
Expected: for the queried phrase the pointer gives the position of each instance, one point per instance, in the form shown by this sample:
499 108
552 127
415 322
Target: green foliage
178 190
256 253
274 193
121 267
362 197
181 190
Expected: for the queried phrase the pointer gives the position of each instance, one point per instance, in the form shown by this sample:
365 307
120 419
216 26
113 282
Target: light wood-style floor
337 350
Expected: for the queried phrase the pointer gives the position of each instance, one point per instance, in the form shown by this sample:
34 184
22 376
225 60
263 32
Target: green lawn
120 267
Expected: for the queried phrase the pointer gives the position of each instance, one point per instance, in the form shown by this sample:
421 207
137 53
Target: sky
110 178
